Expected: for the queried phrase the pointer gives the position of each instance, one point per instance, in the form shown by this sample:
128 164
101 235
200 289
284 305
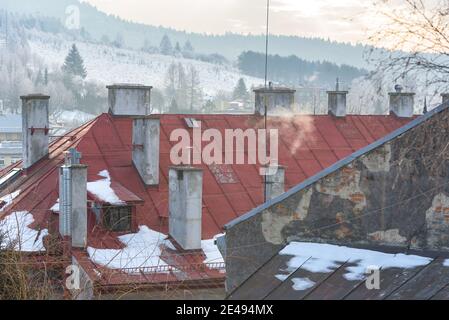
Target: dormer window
118 218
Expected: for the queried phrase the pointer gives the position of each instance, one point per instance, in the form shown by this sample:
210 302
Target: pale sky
343 20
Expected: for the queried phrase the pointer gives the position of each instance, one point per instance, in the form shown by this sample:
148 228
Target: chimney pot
337 102
35 128
146 145
275 181
277 100
73 201
402 104
129 99
185 206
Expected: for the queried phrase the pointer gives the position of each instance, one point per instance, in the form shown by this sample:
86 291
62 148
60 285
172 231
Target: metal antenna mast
266 87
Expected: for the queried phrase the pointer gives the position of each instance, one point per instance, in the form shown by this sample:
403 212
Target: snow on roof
8 199
324 258
143 250
16 232
102 189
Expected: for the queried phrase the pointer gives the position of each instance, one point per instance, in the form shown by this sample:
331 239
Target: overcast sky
343 20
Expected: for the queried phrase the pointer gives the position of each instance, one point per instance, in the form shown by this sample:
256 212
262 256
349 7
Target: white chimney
185 206
35 128
274 181
73 200
129 99
337 101
402 103
146 142
277 100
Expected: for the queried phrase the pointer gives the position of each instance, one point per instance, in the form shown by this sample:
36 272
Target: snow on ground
109 65
16 232
142 250
102 189
324 258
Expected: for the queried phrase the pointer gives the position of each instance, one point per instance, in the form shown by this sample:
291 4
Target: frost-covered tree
194 92
119 41
166 47
74 64
176 85
188 48
241 91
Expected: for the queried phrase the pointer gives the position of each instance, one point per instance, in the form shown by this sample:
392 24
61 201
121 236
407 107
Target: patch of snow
102 189
324 258
8 199
446 263
282 277
210 249
55 207
142 250
16 232
302 284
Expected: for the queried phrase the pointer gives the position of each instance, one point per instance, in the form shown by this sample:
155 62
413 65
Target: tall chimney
35 128
402 103
146 142
275 181
277 100
73 200
337 101
185 206
129 99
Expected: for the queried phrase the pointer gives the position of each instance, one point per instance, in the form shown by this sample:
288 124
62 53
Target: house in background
383 209
10 139
107 196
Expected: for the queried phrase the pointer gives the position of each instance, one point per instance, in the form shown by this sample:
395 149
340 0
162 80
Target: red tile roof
308 144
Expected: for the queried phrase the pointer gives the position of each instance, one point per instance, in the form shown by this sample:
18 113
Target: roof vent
192 122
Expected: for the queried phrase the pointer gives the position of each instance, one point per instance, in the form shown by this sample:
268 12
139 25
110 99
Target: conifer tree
74 64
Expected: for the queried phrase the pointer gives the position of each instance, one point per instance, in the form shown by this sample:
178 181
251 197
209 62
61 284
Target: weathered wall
396 194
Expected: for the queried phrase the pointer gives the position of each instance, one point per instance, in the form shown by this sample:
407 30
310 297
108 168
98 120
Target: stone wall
394 193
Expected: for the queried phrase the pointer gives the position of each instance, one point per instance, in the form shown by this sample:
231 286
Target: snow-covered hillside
108 65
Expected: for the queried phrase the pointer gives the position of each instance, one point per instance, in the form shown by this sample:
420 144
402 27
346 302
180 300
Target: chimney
73 200
445 97
35 128
185 206
277 100
129 99
402 103
337 101
275 181
146 141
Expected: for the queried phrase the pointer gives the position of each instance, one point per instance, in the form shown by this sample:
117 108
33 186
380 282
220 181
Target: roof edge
338 165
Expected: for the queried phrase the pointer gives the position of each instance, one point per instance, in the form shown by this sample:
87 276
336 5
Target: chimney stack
129 99
185 205
402 103
337 101
275 181
73 200
146 142
277 100
35 128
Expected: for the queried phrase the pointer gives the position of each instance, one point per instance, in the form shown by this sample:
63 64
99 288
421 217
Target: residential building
381 212
108 196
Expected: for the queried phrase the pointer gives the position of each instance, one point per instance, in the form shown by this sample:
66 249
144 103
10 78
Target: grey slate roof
427 282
